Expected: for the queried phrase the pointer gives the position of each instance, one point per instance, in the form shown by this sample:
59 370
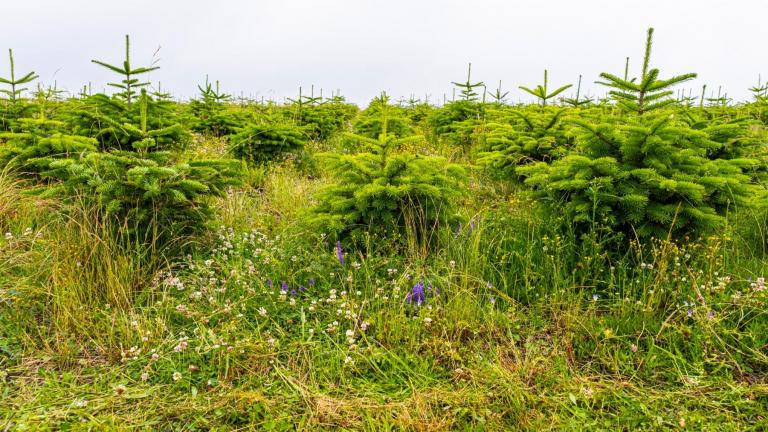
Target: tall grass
524 325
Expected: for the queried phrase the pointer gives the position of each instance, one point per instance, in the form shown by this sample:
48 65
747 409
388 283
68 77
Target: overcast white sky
270 48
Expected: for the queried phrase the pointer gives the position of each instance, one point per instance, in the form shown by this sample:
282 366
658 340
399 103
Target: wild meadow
574 263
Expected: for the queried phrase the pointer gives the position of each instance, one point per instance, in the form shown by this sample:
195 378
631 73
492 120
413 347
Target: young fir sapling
129 84
498 96
380 114
382 193
137 177
468 92
542 90
266 141
645 175
14 106
210 112
457 120
649 92
577 101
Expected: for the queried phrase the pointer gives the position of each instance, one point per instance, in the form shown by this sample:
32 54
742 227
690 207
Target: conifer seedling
498 96
13 105
649 92
760 91
128 84
468 88
542 91
576 101
14 93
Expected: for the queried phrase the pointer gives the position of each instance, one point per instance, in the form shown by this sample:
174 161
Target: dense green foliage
645 177
38 144
328 119
380 114
210 113
379 194
120 155
456 122
522 138
263 142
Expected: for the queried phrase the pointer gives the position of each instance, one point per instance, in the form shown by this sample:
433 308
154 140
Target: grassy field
573 264
512 332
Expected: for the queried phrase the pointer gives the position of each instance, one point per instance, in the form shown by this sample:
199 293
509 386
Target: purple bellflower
417 294
339 253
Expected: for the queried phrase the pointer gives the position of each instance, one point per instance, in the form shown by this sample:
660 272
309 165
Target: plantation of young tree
572 263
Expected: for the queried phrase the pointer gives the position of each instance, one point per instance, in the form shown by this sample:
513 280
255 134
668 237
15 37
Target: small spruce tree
648 174
129 84
382 117
14 106
468 92
577 101
455 122
649 92
210 112
137 175
498 96
267 141
645 177
542 90
384 194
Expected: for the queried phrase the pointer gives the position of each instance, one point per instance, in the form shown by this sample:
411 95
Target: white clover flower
181 347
